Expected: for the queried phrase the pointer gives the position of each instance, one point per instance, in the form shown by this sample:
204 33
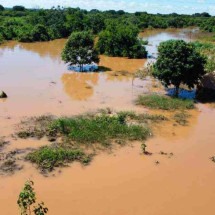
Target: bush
164 103
40 33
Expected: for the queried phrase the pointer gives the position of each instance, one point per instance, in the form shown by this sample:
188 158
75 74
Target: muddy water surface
124 182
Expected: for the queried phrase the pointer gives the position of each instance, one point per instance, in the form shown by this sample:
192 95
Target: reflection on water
126 183
121 64
32 66
51 49
79 86
156 36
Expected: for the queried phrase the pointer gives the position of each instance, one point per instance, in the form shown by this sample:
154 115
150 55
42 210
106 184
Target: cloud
151 6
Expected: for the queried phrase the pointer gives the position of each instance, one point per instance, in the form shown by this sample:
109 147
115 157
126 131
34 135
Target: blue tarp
86 67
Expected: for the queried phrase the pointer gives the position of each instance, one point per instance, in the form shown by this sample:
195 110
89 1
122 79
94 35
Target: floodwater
123 182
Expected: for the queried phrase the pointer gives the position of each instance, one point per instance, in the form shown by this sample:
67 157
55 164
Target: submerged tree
79 50
179 63
27 199
121 40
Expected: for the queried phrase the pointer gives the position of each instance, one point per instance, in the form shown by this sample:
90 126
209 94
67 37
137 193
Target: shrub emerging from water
48 157
164 103
27 199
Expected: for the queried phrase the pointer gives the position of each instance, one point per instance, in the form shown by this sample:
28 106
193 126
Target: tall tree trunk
177 91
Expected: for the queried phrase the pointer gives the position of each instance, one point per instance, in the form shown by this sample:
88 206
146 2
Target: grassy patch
47 158
143 118
99 129
164 103
182 118
88 132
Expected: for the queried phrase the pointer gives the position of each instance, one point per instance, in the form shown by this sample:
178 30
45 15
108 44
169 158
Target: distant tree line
28 25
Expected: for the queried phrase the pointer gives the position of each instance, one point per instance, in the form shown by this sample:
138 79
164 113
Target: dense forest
28 25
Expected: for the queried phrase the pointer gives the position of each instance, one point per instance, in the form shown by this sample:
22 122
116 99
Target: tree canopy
121 40
60 22
1 8
80 50
179 63
18 8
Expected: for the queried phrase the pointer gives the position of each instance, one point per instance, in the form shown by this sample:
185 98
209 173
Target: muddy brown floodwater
123 182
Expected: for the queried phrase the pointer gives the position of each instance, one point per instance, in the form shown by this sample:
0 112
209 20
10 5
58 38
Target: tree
27 199
179 63
80 50
19 8
1 8
40 33
121 40
1 38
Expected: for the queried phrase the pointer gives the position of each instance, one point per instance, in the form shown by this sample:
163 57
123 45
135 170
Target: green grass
164 103
143 118
47 158
86 132
99 129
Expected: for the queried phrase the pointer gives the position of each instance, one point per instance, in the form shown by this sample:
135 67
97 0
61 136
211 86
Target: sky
150 6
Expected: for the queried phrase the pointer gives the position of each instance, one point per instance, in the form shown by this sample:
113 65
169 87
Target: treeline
28 25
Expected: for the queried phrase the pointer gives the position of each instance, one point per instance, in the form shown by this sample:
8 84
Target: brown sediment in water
128 182
125 181
80 85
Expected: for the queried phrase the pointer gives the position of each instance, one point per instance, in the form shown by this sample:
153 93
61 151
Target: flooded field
122 182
